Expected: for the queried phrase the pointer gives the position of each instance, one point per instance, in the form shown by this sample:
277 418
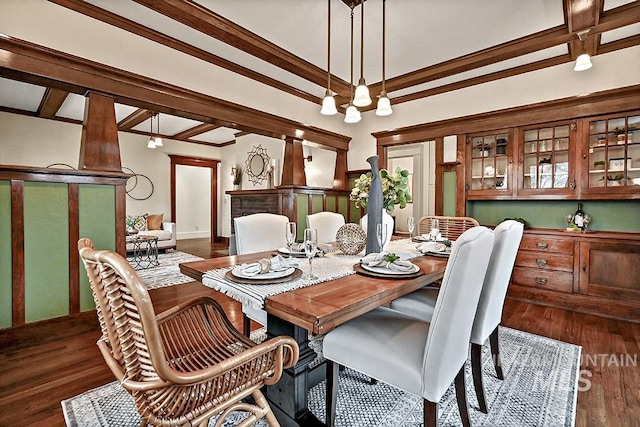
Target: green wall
607 215
97 222
449 194
5 254
46 250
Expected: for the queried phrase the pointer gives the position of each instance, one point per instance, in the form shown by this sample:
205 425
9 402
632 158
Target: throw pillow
154 222
139 222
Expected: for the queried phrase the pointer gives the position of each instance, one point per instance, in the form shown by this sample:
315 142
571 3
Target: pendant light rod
384 44
328 102
351 79
362 39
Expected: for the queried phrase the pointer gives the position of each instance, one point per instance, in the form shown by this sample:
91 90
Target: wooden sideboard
594 272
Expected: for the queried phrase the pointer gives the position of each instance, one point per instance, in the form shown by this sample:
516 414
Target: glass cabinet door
614 152
489 161
546 157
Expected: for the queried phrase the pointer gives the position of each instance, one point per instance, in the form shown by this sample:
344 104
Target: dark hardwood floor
44 363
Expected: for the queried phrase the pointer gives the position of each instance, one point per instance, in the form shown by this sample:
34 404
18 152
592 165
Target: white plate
285 250
237 271
384 270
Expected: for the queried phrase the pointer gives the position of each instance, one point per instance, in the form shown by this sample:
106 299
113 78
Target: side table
144 253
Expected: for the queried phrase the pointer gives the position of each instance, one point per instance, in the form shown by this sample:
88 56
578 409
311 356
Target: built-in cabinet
587 158
597 273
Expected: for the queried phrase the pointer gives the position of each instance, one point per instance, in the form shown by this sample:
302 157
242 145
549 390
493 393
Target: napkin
377 260
321 248
431 247
277 263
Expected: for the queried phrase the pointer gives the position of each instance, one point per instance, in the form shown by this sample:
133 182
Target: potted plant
131 223
613 181
395 189
598 164
237 177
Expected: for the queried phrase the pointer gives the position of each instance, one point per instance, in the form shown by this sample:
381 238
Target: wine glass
586 220
411 225
310 247
435 229
381 235
291 234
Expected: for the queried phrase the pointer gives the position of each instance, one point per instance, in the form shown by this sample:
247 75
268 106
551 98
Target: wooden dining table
309 312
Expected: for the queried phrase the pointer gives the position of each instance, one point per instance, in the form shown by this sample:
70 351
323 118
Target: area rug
539 389
167 273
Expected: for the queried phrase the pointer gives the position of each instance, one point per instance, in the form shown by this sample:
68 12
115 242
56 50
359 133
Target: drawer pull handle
541 245
541 262
541 281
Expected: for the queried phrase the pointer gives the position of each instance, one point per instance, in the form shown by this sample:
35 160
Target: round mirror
256 165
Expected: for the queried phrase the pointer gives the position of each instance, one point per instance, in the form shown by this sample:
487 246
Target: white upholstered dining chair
422 358
327 224
256 233
421 303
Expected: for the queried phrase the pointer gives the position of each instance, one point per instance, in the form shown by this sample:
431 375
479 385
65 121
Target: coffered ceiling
431 47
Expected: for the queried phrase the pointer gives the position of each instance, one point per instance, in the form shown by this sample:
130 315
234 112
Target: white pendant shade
362 97
151 143
158 141
583 62
329 105
384 106
352 115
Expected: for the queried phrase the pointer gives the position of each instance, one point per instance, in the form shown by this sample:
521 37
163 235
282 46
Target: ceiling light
352 115
362 97
152 142
583 61
329 102
157 139
384 104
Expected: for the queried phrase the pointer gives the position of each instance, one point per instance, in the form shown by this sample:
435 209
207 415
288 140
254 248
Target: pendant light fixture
352 115
583 61
157 140
362 97
329 102
384 105
152 142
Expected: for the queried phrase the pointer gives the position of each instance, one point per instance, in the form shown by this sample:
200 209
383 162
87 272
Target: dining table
307 313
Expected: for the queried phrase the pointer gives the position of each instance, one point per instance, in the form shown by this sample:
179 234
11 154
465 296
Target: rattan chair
185 365
451 227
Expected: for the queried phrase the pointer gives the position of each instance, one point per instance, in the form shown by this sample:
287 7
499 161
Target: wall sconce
232 175
308 158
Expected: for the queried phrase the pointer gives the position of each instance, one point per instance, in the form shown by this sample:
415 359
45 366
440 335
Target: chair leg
461 395
430 413
331 393
246 325
476 370
495 353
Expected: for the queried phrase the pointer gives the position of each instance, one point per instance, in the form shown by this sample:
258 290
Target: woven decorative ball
351 239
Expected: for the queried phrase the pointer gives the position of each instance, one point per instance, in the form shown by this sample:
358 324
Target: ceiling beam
32 63
583 15
196 130
52 100
134 119
103 15
243 133
210 23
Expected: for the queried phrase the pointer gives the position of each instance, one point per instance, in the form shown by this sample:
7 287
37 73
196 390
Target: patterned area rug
540 389
168 272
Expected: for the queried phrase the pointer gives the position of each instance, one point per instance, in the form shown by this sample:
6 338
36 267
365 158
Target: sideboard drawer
546 244
543 279
545 261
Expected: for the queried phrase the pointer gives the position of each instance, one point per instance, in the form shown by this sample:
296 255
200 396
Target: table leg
288 398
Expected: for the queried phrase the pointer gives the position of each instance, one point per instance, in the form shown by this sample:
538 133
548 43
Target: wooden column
293 165
340 174
99 148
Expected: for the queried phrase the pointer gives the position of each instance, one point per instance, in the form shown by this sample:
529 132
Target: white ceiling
419 34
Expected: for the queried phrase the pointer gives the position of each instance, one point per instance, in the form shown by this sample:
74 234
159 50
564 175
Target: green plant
395 189
598 163
131 221
237 175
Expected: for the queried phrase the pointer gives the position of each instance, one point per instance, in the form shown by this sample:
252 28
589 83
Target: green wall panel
343 202
316 203
97 222
302 208
5 254
607 215
449 194
331 204
46 250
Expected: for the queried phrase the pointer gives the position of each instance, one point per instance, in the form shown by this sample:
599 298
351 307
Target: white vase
386 219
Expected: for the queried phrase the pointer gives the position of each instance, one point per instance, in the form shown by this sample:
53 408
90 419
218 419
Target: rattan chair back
451 227
187 364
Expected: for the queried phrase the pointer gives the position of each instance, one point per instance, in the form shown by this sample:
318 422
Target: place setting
265 271
432 243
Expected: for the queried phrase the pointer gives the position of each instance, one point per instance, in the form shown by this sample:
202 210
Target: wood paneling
99 147
51 102
17 252
293 165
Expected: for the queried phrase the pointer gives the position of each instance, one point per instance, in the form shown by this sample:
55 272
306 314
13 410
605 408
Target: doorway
198 176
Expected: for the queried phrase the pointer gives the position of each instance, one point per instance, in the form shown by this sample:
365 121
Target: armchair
450 226
185 365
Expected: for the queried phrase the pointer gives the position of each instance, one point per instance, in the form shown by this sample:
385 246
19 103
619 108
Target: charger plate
360 270
251 281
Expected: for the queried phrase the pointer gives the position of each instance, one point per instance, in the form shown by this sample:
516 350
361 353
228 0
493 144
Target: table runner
333 265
